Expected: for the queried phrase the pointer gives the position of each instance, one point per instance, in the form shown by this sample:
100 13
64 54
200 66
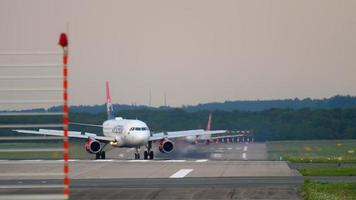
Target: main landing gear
149 153
100 155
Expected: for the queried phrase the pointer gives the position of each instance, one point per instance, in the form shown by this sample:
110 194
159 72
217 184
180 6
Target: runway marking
174 160
70 160
181 173
33 196
244 156
216 155
30 174
30 186
30 160
31 150
202 160
229 148
245 148
121 155
139 160
108 160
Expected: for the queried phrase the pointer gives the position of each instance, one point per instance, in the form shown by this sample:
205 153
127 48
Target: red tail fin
208 126
109 107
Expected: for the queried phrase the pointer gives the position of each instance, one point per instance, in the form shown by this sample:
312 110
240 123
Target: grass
328 191
341 171
319 151
76 150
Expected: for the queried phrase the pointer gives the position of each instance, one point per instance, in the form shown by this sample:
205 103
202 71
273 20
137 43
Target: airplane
208 138
124 133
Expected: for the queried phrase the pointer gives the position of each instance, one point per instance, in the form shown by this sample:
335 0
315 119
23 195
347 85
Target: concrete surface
213 151
216 171
89 169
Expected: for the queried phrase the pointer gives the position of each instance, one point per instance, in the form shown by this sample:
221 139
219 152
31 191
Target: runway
268 192
158 182
164 188
213 151
215 171
108 169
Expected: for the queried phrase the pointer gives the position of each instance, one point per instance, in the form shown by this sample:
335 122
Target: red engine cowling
93 146
166 146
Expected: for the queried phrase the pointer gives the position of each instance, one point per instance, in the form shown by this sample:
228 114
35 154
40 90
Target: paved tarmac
104 169
187 188
213 151
215 171
268 192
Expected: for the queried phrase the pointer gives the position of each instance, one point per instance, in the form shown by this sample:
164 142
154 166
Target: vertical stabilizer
109 107
208 126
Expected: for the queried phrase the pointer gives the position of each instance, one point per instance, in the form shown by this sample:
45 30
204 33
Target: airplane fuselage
127 132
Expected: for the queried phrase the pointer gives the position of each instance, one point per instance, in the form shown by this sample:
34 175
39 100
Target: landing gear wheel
145 155
103 155
151 155
97 156
137 156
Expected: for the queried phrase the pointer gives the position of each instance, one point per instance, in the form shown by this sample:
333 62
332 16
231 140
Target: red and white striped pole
63 41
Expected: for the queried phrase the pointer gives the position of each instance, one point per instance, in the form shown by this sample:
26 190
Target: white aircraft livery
130 133
206 138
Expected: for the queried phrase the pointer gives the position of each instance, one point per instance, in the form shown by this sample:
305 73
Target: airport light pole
63 42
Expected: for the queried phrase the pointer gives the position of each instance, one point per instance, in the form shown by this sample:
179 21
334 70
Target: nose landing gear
137 154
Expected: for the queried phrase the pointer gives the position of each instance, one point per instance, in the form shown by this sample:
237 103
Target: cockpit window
138 129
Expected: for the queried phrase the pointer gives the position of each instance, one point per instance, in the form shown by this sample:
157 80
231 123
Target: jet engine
93 146
166 146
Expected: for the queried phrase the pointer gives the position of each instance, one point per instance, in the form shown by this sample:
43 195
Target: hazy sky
196 51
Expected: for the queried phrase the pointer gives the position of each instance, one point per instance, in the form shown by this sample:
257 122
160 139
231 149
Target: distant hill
229 106
94 109
248 105
272 124
259 105
332 118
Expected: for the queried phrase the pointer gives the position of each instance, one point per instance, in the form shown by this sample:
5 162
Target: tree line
271 124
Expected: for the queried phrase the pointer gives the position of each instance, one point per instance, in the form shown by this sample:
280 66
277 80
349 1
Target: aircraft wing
73 134
82 124
177 134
